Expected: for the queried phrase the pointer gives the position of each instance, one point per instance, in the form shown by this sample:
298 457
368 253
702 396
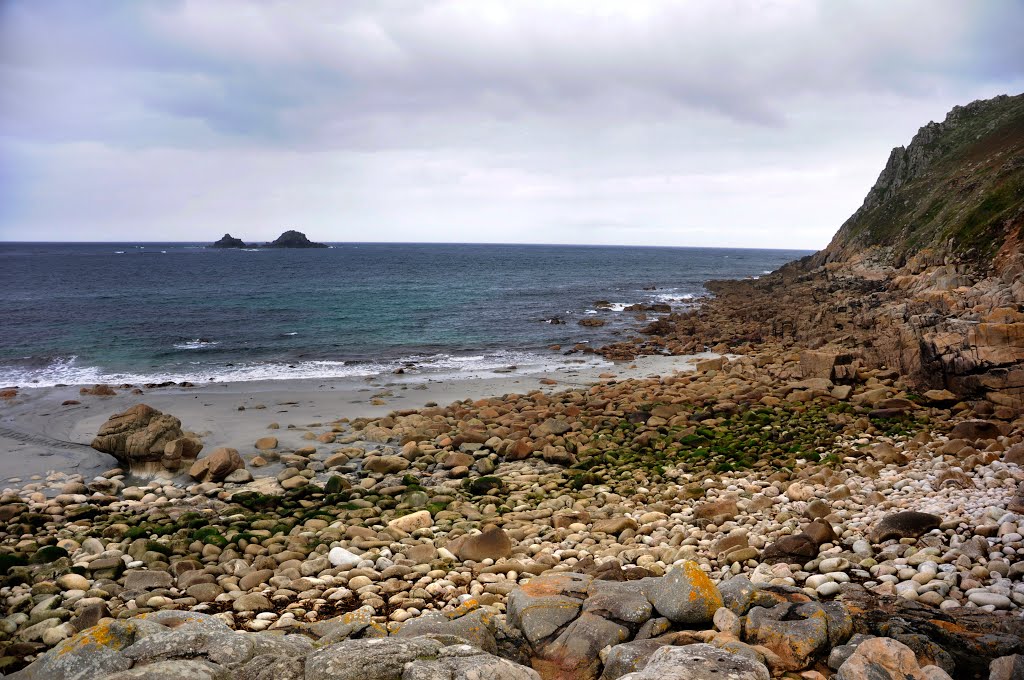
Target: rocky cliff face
926 278
956 190
939 233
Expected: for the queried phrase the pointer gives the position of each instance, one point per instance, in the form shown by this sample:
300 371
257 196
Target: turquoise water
84 313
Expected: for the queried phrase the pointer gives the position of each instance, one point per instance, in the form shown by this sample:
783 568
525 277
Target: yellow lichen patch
701 587
550 584
950 626
361 615
463 609
103 635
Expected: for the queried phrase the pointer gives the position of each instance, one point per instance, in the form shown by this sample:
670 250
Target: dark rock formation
906 524
229 241
966 639
294 239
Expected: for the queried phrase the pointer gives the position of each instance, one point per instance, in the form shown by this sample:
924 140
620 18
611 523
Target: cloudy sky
757 124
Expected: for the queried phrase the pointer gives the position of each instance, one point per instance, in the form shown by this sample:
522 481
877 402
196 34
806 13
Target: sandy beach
39 435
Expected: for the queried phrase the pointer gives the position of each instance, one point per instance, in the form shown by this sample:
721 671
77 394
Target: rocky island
835 490
289 239
293 239
229 241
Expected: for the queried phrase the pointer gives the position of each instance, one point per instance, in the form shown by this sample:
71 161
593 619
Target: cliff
925 278
956 190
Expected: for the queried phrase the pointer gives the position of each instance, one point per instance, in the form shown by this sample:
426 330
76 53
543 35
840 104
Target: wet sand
38 435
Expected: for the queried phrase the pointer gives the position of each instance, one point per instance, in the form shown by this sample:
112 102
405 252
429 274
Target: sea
85 313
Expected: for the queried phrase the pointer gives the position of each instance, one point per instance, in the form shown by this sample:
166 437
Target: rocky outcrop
146 440
954 190
228 241
293 239
568 618
963 641
926 278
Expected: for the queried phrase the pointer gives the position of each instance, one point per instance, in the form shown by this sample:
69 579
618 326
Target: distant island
289 239
293 239
229 241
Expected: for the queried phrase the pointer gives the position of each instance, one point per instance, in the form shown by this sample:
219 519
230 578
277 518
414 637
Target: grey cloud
705 120
264 65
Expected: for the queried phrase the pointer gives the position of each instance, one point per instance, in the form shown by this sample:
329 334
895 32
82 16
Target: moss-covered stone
48 554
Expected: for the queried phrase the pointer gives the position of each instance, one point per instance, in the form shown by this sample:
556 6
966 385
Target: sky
639 122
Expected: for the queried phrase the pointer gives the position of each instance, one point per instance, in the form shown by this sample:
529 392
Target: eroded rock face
143 435
964 641
926 278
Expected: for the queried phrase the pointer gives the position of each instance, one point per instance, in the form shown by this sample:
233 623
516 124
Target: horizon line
207 244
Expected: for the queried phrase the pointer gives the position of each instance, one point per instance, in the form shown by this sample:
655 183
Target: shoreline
39 435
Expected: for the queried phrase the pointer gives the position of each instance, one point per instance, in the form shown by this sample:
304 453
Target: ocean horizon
142 312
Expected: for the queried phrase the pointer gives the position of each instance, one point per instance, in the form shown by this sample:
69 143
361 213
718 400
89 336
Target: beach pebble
343 559
983 599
